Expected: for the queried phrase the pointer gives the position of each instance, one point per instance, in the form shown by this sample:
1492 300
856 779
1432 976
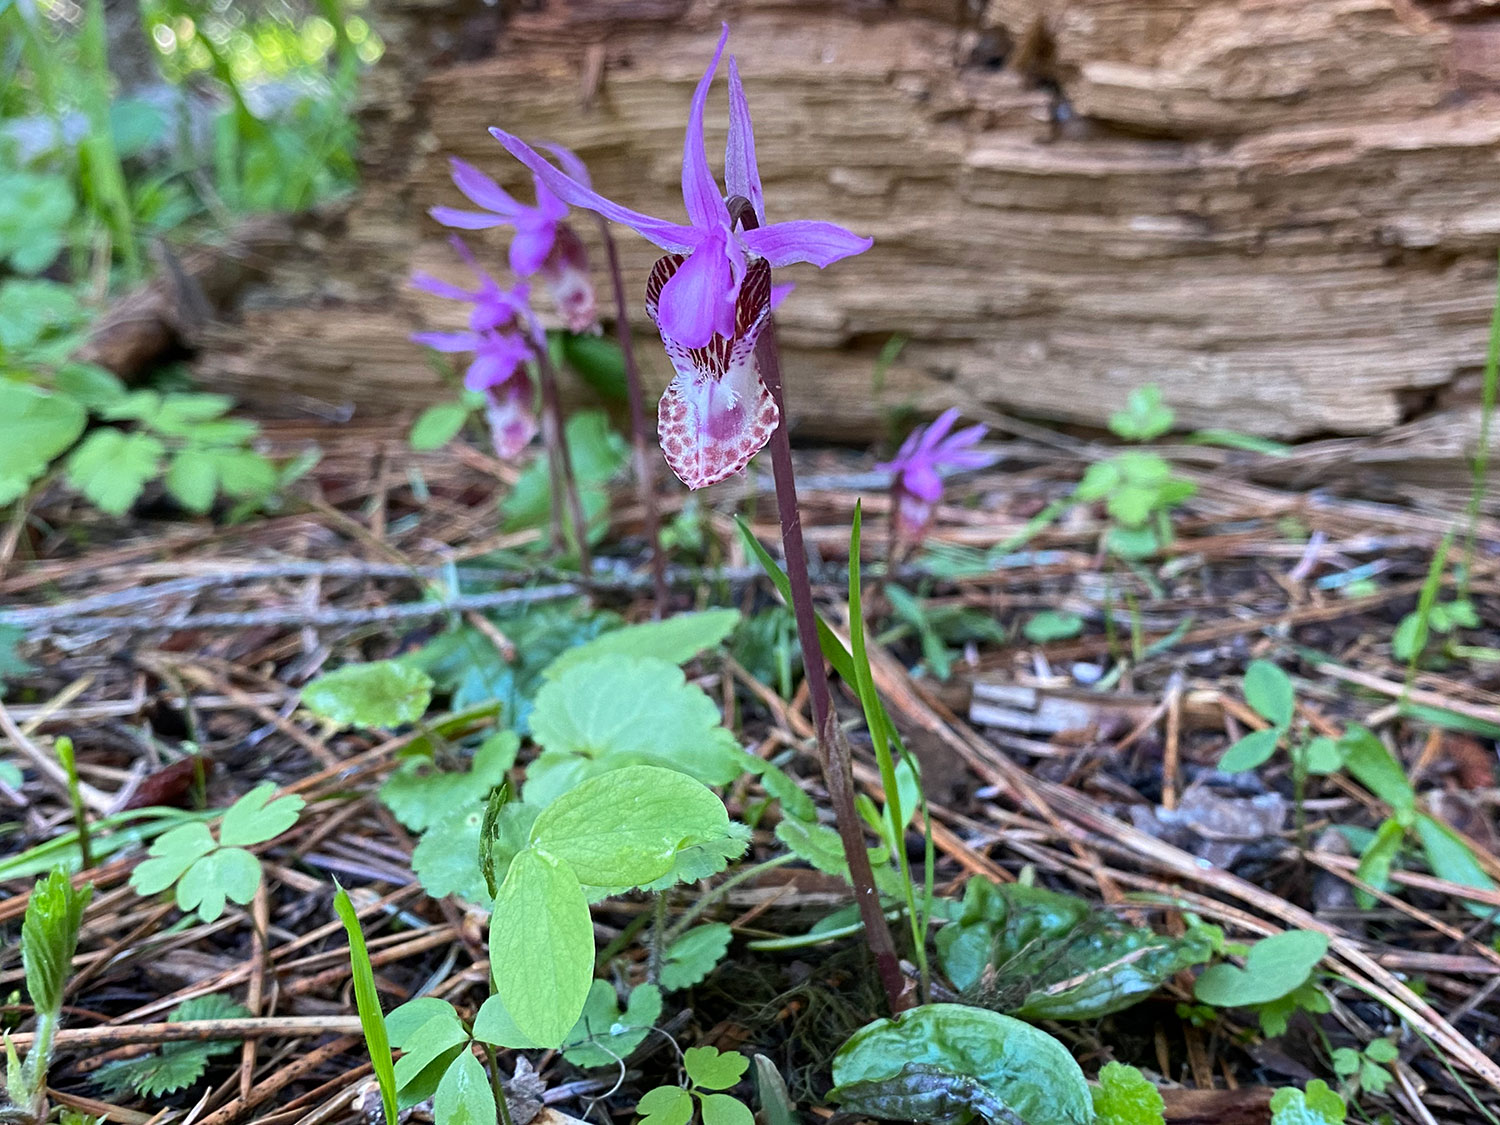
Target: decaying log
1283 211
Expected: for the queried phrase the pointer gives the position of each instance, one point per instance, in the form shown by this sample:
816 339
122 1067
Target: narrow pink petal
940 426
675 237
467 220
530 247
700 193
439 288
741 175
570 163
922 481
482 190
804 240
447 341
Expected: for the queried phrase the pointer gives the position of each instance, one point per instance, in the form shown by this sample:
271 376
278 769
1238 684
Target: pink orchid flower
917 486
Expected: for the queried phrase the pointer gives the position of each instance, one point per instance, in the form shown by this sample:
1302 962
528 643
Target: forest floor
1068 709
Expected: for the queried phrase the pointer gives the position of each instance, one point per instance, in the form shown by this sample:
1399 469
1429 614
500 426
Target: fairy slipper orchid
544 245
711 295
916 484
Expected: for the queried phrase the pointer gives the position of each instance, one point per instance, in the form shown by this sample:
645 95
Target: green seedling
1368 1069
709 1072
207 871
49 938
1274 980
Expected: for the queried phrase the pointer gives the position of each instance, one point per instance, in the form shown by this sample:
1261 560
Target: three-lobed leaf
1319 1105
665 1105
226 873
169 857
712 1069
255 818
111 467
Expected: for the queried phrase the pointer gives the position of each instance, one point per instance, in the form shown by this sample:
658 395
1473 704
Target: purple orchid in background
711 295
498 324
917 486
543 245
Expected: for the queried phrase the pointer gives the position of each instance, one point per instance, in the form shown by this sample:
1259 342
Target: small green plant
1138 489
709 1072
1125 1096
49 937
1414 633
1317 1106
1276 978
174 1066
938 628
1377 769
206 871
184 440
380 694
1367 1069
1052 625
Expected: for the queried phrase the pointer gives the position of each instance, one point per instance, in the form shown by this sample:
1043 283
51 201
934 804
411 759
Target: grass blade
371 1018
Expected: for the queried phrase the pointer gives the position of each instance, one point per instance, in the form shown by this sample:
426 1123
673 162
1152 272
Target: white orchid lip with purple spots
706 296
917 485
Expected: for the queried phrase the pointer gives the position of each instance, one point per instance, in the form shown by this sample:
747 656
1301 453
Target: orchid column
711 298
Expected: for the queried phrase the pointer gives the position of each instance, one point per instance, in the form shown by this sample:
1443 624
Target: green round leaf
623 828
1275 966
436 426
34 428
542 947
713 1069
1025 1069
383 693
722 1109
1269 690
1251 751
665 1105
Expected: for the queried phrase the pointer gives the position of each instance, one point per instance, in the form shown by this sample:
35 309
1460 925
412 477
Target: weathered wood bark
1283 211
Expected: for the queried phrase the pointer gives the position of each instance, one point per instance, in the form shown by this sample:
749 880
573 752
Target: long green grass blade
371 1018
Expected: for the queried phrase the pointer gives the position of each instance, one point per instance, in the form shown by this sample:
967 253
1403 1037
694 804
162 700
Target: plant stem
833 751
645 479
558 439
502 1106
714 894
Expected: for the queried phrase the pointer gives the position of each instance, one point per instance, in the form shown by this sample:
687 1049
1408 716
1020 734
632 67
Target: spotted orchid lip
716 413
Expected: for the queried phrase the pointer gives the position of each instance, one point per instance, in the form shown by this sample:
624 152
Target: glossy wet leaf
464 1096
1022 1068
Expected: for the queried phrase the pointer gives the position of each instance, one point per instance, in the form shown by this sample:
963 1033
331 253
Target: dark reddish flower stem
557 442
833 749
644 477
